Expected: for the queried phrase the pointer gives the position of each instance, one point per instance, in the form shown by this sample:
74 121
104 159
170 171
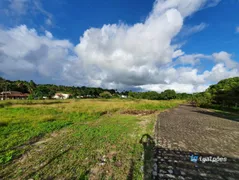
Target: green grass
221 108
231 113
74 136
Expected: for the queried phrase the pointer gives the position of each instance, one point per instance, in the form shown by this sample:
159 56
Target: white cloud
178 53
116 55
185 7
141 54
220 57
23 52
131 54
187 79
191 59
38 6
213 3
19 6
187 30
237 29
48 22
48 34
224 57
180 88
19 9
219 72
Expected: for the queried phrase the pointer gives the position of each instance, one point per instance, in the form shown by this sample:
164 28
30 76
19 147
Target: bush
105 94
202 99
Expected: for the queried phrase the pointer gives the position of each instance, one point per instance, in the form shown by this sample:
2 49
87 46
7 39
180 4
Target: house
123 96
61 96
13 95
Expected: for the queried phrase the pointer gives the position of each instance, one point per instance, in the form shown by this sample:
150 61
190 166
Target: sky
140 45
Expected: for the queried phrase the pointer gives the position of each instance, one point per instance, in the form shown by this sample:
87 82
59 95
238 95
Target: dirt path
187 131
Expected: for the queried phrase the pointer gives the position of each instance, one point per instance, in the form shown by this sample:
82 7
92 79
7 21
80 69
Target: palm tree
19 84
31 86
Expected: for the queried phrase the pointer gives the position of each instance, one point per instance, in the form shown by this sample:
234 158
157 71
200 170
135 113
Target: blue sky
125 44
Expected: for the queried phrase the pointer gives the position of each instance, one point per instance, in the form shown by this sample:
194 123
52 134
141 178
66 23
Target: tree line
48 90
165 95
38 91
224 94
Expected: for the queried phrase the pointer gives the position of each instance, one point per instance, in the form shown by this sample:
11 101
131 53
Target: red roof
13 94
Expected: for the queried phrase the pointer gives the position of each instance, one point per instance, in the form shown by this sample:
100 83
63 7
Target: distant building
61 96
13 95
123 96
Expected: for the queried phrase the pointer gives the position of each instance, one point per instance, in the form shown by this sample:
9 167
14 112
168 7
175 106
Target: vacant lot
75 139
188 130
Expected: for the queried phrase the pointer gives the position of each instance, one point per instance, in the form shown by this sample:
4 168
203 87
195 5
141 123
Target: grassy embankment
75 139
226 112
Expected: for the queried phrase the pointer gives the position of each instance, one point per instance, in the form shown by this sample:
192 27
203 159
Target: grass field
75 139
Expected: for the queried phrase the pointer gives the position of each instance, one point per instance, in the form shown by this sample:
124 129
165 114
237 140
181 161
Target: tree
168 94
223 94
21 86
31 86
41 91
105 94
51 93
226 92
184 96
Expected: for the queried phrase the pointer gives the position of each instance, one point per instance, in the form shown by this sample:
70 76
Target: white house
123 96
61 96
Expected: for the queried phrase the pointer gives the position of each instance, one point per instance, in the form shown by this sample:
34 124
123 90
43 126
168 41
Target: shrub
202 99
105 94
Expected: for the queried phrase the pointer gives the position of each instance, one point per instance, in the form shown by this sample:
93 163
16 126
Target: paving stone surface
188 131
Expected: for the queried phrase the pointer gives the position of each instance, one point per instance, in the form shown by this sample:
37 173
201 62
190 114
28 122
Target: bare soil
139 112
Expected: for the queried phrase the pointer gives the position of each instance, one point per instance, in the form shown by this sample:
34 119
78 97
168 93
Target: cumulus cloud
224 57
133 51
220 57
189 81
23 52
219 72
191 59
180 88
141 56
